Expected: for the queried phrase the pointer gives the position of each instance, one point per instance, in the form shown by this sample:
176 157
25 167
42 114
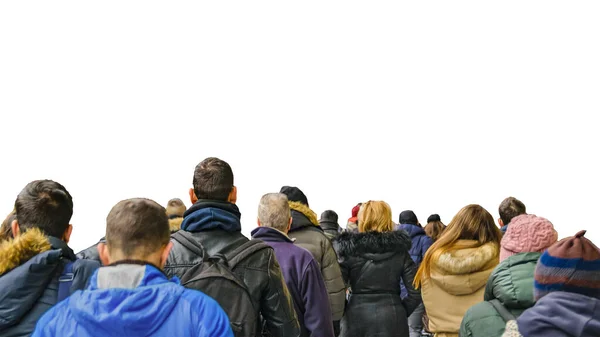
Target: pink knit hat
527 233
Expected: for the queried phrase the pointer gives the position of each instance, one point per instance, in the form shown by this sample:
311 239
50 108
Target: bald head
274 212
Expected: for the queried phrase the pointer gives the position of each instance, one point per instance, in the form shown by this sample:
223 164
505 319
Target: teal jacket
512 284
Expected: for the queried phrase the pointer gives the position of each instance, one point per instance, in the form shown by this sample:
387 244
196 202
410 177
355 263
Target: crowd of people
174 271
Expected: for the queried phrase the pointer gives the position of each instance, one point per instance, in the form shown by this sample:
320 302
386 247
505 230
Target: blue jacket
29 269
562 314
420 243
135 300
303 278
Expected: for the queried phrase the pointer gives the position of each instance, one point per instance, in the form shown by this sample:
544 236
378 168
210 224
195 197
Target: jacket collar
349 244
60 244
212 214
268 234
128 274
21 249
412 230
327 224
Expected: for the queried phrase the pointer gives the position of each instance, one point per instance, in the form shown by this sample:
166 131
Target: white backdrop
429 106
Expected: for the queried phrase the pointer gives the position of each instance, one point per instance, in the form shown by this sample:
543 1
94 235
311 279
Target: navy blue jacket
29 289
304 281
420 244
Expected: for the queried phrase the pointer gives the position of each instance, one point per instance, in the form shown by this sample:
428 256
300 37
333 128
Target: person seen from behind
566 291
175 210
509 290
37 267
214 223
455 270
306 233
435 227
508 209
131 296
300 270
329 223
352 225
374 261
409 223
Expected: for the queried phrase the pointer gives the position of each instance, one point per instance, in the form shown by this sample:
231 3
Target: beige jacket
457 282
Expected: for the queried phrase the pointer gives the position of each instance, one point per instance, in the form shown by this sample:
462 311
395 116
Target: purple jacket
304 281
562 314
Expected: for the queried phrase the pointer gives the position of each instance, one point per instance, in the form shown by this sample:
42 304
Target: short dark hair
213 179
329 215
510 208
44 204
137 226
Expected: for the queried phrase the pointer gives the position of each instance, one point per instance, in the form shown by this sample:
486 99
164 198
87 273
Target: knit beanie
408 217
571 265
294 194
433 217
355 211
527 233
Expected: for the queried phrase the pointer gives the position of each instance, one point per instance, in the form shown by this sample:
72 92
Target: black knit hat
294 194
433 217
408 217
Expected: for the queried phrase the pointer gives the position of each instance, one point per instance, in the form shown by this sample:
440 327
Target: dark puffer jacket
331 229
420 243
216 225
307 234
374 264
29 269
91 253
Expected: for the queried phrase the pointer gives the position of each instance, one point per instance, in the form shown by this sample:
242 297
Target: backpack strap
187 240
65 281
242 252
506 315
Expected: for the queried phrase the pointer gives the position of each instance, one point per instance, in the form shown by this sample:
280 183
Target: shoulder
201 305
479 311
83 268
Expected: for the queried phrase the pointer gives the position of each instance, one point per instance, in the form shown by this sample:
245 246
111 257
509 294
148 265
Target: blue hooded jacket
562 314
135 300
420 244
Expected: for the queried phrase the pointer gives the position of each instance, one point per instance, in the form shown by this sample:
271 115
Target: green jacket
512 284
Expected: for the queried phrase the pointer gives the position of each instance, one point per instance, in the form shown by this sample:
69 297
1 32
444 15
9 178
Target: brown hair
5 229
472 222
510 208
434 229
213 179
137 226
375 216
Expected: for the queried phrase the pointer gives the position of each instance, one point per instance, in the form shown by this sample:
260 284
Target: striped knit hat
571 265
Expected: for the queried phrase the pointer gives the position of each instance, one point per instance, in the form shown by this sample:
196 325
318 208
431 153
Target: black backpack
214 277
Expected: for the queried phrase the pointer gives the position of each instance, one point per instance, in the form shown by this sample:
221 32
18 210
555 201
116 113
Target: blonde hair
375 216
434 229
472 222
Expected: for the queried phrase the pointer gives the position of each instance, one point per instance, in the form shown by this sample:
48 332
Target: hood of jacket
175 224
268 234
465 268
512 281
372 245
27 262
126 300
302 216
412 230
211 214
561 314
329 225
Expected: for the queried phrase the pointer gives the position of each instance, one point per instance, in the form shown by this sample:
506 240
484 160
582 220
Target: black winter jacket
373 264
216 225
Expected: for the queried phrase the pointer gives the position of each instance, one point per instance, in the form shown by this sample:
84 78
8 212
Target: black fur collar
349 244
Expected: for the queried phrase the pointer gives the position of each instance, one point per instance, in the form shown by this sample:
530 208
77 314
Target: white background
427 105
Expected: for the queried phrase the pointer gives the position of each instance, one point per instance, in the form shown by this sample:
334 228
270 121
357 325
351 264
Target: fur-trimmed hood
349 244
175 224
466 268
14 252
302 216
